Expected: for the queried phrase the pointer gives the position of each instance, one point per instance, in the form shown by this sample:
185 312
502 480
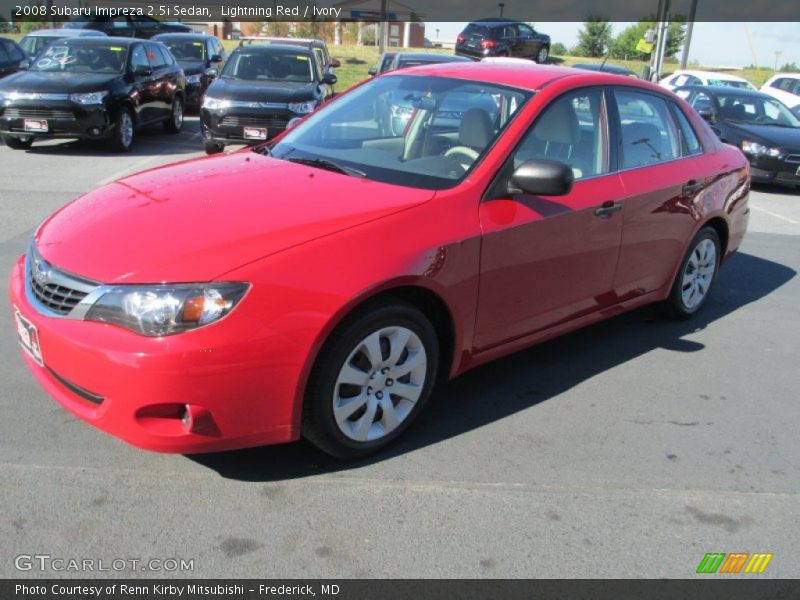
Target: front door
547 259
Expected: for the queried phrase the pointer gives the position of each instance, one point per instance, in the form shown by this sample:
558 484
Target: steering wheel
470 153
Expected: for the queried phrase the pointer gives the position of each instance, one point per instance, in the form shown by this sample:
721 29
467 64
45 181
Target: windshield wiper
261 150
322 163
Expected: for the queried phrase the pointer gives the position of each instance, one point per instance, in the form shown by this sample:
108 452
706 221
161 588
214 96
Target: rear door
663 172
163 81
528 41
550 259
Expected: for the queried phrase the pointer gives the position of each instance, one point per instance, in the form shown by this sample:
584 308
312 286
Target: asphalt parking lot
630 448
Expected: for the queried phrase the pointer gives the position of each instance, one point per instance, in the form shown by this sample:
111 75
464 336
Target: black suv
11 55
494 37
260 90
201 56
93 88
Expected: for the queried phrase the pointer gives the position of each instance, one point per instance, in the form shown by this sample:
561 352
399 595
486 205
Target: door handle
692 187
608 207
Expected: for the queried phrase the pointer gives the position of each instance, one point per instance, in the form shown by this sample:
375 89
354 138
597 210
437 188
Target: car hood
196 220
783 137
261 91
57 83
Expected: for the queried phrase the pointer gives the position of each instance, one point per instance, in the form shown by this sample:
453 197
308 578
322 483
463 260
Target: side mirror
293 121
25 64
142 71
215 58
335 63
211 73
329 79
373 71
541 178
707 114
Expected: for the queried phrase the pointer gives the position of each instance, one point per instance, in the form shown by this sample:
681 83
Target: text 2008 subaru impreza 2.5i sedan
321 284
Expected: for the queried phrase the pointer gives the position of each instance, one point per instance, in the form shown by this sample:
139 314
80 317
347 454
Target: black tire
675 305
121 141
16 143
319 423
174 123
542 55
213 147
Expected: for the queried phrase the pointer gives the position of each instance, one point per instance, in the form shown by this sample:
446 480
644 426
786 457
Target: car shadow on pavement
767 188
515 383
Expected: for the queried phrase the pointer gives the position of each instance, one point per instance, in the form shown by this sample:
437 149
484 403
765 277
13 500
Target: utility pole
657 57
381 32
688 39
777 56
502 5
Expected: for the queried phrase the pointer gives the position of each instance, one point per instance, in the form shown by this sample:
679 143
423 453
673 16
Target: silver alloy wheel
699 273
126 129
379 383
542 57
177 113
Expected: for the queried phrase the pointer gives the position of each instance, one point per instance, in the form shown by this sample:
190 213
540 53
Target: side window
572 131
680 80
3 54
13 51
702 101
139 58
784 83
154 56
689 143
320 62
525 31
648 134
692 80
796 87
166 55
120 23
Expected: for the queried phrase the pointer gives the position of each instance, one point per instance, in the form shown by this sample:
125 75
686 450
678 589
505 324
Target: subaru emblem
41 272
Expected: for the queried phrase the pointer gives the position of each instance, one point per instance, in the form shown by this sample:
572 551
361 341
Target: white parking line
776 215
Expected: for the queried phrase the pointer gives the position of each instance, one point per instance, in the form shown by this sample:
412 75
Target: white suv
681 78
786 88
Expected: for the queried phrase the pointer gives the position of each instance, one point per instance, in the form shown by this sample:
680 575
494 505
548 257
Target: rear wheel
175 121
213 147
124 131
544 53
16 143
371 380
696 275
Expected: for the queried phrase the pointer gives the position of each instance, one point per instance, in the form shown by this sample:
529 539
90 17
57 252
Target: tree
558 49
625 45
790 67
595 37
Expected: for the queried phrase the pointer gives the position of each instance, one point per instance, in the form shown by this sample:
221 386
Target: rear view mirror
335 63
211 73
215 58
329 79
541 178
25 64
373 71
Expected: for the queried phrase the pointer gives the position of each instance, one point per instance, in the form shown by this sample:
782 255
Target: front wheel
371 380
696 275
16 143
175 121
124 131
543 54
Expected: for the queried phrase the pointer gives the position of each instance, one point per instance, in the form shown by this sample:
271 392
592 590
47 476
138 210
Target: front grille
38 113
270 122
53 289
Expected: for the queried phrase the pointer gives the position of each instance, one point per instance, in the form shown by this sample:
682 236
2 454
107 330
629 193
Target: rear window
477 30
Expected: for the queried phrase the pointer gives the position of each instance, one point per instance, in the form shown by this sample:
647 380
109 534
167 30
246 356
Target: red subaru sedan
319 285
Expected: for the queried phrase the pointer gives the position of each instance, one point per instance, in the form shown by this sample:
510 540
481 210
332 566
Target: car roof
181 36
709 74
266 49
431 55
65 33
719 90
105 40
602 68
530 76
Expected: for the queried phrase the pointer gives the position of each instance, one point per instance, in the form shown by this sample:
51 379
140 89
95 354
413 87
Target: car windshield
425 132
185 50
275 65
33 44
81 57
756 110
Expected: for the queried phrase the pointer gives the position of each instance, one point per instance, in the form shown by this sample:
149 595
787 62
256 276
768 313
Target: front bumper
65 119
784 170
236 387
227 125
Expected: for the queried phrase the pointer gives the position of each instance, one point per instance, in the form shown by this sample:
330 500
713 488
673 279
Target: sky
713 44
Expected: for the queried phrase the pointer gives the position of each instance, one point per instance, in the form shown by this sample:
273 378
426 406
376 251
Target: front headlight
156 310
90 98
756 149
193 79
215 103
302 108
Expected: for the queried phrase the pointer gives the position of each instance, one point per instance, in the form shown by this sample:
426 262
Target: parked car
11 57
683 78
92 88
201 56
321 284
127 26
762 126
319 47
403 60
259 91
498 37
786 88
35 41
384 64
606 68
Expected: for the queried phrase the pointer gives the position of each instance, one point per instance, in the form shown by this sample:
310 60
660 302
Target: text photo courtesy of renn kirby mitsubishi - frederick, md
399 298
